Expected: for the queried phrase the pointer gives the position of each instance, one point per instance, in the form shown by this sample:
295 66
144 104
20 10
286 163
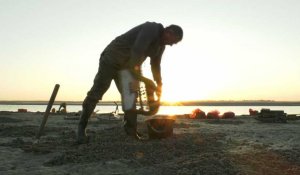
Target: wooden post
50 103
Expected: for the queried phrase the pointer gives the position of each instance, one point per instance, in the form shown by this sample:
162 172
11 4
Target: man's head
172 35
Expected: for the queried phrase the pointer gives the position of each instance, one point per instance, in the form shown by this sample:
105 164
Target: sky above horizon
231 49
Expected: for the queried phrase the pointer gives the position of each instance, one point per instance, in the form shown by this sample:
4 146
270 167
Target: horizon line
167 103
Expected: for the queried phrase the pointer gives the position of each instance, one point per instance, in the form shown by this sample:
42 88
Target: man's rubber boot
88 107
130 125
82 137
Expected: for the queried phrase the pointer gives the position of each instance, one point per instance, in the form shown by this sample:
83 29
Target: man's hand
149 83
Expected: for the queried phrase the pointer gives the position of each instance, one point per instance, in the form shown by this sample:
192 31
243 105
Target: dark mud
292 155
27 130
224 121
9 120
184 153
179 154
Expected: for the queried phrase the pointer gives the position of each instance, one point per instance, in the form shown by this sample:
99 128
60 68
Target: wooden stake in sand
50 103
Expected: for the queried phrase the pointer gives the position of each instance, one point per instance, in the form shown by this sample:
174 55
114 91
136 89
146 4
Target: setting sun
235 53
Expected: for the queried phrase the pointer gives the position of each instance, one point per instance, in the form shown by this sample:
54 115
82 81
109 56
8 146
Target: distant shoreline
185 103
242 103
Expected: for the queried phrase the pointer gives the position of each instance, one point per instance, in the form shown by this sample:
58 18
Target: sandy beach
241 145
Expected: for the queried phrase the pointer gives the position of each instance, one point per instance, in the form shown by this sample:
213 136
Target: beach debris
62 108
50 103
116 111
214 114
197 114
114 115
22 110
271 116
228 115
253 112
293 117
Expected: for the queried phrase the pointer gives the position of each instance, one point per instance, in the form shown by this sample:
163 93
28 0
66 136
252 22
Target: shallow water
238 110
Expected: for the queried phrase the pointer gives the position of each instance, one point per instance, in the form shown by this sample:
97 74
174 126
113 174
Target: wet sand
227 146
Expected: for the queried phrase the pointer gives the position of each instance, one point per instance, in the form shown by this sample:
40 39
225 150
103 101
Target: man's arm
155 67
142 42
156 71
